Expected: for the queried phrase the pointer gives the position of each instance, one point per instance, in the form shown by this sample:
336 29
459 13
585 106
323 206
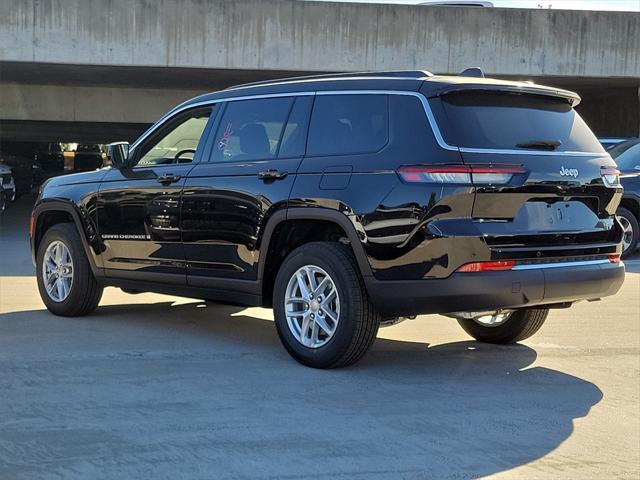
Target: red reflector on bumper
499 266
614 258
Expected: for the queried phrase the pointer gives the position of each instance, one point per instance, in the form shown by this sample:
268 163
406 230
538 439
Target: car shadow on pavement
456 410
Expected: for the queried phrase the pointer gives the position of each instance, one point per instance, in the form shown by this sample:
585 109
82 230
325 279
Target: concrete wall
314 36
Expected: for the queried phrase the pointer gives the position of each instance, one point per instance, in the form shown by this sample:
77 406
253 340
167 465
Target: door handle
272 175
168 178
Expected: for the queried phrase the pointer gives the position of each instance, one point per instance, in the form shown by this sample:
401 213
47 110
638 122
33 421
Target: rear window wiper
541 144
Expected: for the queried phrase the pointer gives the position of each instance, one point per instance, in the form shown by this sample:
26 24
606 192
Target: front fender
82 219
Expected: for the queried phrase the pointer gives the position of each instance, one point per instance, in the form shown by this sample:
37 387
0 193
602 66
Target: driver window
177 144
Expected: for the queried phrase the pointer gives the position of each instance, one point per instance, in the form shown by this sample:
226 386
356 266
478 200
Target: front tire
322 312
65 280
518 326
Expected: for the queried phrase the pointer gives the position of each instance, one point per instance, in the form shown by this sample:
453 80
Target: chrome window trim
421 97
499 151
579 263
184 106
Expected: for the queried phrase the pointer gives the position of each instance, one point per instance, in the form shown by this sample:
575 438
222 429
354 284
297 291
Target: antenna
472 72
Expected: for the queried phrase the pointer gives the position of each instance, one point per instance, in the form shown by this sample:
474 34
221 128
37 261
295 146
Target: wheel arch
632 204
50 213
276 246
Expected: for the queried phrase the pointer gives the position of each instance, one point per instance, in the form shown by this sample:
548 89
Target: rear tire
631 231
357 321
520 325
84 292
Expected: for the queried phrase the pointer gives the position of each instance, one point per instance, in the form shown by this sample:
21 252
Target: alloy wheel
312 306
627 233
492 320
57 271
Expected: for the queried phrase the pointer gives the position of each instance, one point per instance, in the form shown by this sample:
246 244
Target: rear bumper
495 290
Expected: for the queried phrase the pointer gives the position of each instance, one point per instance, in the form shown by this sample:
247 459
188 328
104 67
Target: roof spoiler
571 97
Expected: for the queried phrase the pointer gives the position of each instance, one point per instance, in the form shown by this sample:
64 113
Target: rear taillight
610 176
496 266
461 174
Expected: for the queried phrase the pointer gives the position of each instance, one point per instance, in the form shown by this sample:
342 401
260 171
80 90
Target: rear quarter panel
406 230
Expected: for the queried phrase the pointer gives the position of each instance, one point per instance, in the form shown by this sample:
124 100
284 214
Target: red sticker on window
228 131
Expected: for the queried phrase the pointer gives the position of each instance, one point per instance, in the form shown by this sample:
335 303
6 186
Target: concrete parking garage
96 72
152 386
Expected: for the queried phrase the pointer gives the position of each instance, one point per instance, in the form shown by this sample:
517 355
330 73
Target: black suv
347 202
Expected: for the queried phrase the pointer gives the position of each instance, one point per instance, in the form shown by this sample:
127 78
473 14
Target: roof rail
414 74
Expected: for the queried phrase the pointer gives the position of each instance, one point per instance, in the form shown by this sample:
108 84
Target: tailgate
564 190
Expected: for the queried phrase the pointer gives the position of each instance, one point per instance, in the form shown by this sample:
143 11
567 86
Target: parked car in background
627 156
21 169
609 142
50 157
7 183
20 156
87 158
3 200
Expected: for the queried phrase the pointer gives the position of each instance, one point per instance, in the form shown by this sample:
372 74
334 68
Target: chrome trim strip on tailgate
534 266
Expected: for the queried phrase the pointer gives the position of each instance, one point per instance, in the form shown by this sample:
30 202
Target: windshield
502 120
627 155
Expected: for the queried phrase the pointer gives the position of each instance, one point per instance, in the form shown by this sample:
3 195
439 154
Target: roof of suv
399 80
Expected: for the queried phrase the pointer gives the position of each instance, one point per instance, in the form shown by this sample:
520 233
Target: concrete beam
87 104
69 132
315 36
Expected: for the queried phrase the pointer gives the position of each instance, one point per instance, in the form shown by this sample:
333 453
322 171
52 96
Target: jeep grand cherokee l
346 202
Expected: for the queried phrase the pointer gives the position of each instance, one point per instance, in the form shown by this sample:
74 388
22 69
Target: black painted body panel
139 223
225 210
207 235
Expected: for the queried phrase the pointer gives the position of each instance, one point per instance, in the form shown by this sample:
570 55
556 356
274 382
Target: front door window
178 142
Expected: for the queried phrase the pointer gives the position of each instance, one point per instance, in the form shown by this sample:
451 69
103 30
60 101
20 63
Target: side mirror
118 154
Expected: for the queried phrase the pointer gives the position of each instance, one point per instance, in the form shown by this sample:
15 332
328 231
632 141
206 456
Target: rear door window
348 124
251 129
500 120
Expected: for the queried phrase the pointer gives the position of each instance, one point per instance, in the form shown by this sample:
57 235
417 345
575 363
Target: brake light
496 266
610 176
461 174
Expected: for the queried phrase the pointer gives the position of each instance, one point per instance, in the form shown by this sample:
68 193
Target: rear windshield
500 120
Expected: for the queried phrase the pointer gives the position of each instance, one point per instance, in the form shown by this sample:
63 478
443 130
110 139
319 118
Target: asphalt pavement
153 386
